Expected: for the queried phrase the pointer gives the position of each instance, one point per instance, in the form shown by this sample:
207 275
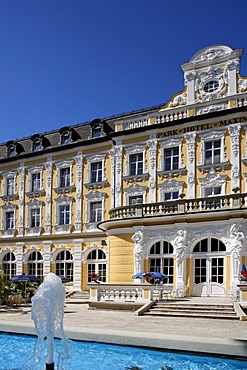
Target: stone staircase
212 311
77 297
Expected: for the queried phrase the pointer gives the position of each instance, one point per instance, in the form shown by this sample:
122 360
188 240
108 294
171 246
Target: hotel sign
205 126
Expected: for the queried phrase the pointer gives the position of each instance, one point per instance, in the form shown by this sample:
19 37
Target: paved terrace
213 336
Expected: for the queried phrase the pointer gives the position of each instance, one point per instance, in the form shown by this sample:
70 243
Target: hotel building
160 189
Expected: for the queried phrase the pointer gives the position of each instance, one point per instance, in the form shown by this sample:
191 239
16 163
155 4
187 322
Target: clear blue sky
65 62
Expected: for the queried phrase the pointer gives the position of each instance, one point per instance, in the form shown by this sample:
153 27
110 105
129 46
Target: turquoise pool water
15 350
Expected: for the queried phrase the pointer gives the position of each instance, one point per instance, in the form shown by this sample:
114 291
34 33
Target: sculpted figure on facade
138 251
180 246
236 242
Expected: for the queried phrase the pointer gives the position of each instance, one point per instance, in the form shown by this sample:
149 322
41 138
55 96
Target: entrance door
209 268
209 276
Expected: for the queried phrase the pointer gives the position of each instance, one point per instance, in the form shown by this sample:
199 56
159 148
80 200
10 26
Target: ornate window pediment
171 163
170 186
135 191
213 180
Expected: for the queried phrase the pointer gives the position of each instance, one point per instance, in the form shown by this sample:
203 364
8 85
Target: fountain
47 314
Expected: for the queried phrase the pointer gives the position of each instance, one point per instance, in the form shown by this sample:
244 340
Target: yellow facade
161 190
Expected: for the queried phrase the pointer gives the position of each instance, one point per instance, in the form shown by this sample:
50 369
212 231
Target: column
78 220
152 144
190 82
233 69
190 138
77 265
234 131
116 165
47 257
48 167
19 258
21 171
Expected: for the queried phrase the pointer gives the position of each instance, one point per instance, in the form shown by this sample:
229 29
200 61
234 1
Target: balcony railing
180 206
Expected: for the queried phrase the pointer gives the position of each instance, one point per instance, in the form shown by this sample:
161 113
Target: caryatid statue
236 241
180 243
138 251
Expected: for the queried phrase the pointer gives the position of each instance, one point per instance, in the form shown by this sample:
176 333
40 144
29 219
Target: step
192 308
194 314
211 312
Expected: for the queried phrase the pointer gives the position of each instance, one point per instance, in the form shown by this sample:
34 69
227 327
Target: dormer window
37 146
65 138
11 151
96 131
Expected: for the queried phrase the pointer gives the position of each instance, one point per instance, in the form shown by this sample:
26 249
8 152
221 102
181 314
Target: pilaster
190 138
21 171
48 166
77 265
78 220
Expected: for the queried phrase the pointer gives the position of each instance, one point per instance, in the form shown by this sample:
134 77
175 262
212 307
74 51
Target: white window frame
170 186
6 176
213 179
98 170
63 165
135 190
8 207
33 171
210 137
94 196
33 204
138 149
170 143
63 200
100 157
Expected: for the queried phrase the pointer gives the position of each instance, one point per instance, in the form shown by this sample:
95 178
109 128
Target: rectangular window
171 158
136 164
96 212
135 200
96 172
212 152
171 195
10 220
64 217
10 186
210 192
35 217
36 182
64 177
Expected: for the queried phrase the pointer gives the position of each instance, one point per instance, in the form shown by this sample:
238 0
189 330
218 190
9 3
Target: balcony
181 207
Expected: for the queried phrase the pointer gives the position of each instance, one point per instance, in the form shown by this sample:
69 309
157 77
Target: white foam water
48 314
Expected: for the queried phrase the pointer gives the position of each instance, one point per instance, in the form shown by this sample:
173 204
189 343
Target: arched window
64 264
209 245
96 263
9 265
35 264
161 259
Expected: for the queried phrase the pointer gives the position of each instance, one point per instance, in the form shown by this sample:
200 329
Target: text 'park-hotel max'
159 189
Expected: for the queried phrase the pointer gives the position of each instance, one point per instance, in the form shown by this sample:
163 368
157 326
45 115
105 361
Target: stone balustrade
210 204
135 293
